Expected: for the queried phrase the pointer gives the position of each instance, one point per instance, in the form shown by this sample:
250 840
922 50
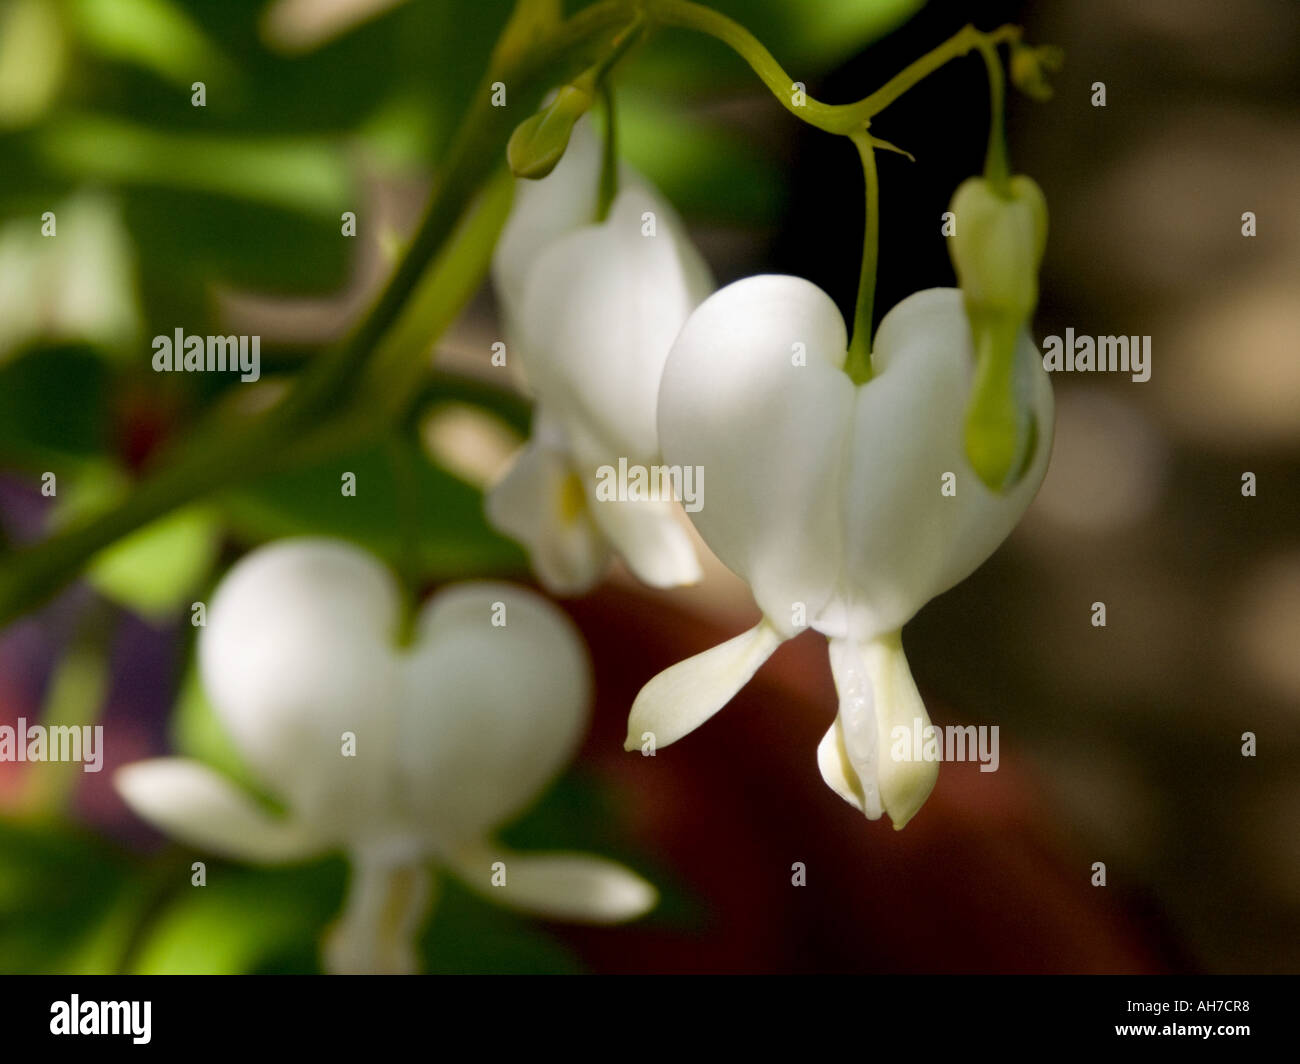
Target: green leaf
307 174
154 34
467 936
705 170
33 60
64 900
825 33
242 917
453 539
53 408
203 240
156 570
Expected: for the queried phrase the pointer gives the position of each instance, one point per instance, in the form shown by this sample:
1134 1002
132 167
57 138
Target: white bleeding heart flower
591 311
825 496
453 735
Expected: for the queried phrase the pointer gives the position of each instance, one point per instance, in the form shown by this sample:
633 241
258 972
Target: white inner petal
376 933
857 718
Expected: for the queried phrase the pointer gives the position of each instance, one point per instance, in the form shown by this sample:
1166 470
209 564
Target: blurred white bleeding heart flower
826 497
590 311
451 736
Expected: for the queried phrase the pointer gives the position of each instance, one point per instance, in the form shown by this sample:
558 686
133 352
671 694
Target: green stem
406 486
598 80
164 878
997 169
853 120
959 44
450 282
75 698
858 364
609 157
833 118
34 573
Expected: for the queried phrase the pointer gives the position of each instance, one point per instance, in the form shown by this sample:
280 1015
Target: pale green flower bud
1030 67
539 142
999 242
997 250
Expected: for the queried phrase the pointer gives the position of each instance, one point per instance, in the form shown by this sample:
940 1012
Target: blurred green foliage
66 900
71 904
160 206
53 408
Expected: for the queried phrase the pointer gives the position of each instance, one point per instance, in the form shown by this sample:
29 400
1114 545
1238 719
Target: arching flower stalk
402 758
590 310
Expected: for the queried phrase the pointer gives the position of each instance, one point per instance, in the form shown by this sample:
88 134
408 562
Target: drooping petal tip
191 802
873 756
577 888
684 696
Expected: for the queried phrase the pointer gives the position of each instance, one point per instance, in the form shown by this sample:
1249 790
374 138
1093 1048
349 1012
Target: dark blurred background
1133 731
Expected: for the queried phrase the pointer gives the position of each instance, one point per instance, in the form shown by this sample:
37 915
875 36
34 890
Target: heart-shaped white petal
297 651
602 306
905 541
753 392
453 734
821 493
393 754
490 714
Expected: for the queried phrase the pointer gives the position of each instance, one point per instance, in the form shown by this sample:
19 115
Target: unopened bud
539 142
1030 67
999 242
996 250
